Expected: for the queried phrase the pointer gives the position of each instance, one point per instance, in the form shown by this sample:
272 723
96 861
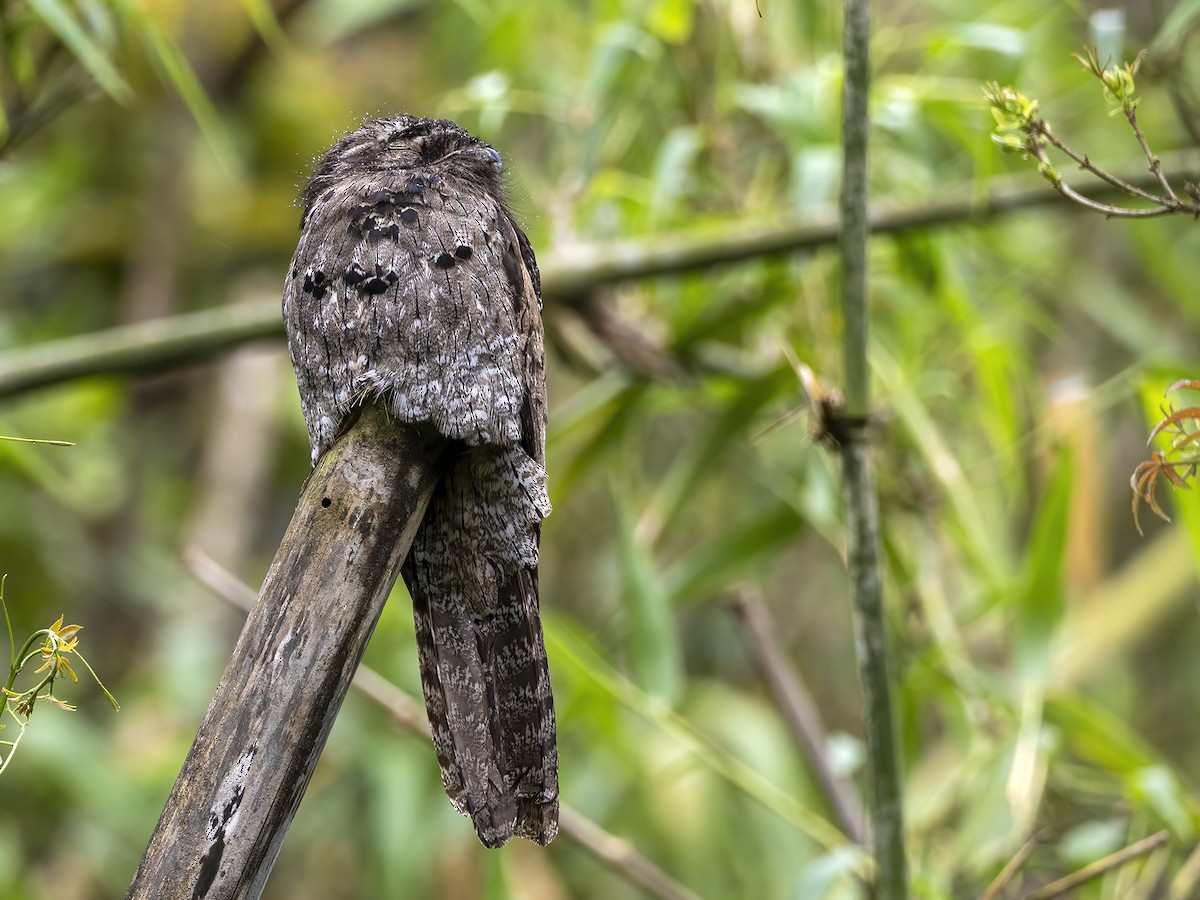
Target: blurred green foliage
150 157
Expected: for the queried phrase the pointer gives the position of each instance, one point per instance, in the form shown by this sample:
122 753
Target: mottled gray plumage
413 284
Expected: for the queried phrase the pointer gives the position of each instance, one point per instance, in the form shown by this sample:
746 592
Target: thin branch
1000 882
1087 165
799 711
567 277
618 853
1112 212
145 346
1108 210
1100 867
1149 882
584 269
46 441
1165 207
1155 164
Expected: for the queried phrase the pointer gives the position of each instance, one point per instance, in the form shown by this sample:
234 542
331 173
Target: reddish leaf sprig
1178 463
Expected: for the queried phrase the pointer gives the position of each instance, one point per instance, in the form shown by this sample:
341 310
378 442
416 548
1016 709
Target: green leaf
613 416
1178 24
733 553
964 502
829 871
575 653
329 22
1161 791
182 77
671 20
12 645
673 171
1092 840
652 636
1040 601
699 460
1096 735
59 20
266 23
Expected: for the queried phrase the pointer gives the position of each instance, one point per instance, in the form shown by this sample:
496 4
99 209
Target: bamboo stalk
862 504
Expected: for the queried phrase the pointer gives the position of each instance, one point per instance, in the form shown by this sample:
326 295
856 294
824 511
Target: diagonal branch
1094 870
800 712
1011 868
616 852
256 749
1087 165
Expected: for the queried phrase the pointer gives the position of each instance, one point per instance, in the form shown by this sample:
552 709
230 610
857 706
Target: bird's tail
473 581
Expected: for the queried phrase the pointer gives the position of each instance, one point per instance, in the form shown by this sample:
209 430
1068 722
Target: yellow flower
60 640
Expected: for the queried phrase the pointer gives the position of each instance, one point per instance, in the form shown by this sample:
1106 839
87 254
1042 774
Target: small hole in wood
326 502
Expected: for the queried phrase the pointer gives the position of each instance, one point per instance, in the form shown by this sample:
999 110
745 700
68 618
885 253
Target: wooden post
256 749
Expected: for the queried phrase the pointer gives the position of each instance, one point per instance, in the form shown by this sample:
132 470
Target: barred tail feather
484 672
525 707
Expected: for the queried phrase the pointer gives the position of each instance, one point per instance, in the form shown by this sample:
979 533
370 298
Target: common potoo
412 284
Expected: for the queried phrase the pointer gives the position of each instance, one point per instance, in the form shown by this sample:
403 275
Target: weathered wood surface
256 749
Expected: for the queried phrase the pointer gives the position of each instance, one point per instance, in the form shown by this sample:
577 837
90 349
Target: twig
1017 114
1164 207
799 711
1100 867
1149 882
1000 882
618 853
48 442
1087 165
1107 209
195 337
1155 163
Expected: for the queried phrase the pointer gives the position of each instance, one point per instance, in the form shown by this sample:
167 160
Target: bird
414 286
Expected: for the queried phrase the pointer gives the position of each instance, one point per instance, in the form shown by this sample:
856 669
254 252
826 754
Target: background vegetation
150 157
